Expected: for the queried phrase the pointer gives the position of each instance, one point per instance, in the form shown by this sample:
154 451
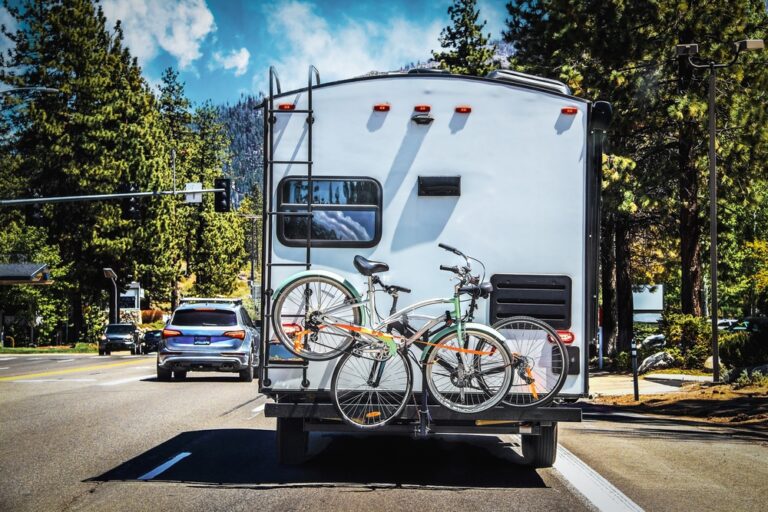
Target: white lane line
126 381
63 360
596 489
38 381
5 368
6 358
256 411
164 466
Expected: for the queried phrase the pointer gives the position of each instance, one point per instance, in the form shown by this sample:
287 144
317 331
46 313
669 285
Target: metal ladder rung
292 214
289 264
300 162
295 111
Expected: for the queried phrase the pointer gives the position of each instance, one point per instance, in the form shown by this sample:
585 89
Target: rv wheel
540 451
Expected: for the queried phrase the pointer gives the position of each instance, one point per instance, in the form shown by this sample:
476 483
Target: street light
110 274
690 51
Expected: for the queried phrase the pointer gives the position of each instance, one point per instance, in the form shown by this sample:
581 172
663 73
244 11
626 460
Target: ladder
270 214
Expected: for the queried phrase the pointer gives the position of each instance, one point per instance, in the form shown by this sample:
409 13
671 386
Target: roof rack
204 300
506 75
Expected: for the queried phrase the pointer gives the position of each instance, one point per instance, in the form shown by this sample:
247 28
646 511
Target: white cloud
10 25
353 48
177 26
237 60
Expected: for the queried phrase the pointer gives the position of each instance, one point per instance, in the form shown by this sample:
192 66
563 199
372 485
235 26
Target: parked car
726 323
208 335
151 341
119 337
751 324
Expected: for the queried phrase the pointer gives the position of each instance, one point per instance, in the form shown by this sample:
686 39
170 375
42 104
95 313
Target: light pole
110 274
690 51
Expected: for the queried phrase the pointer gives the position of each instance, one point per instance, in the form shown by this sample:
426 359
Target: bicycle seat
368 267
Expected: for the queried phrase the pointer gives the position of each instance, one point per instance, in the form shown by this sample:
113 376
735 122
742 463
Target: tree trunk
608 281
624 305
77 317
690 229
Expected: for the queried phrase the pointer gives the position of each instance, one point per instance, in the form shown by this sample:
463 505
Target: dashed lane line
40 381
69 370
596 489
126 381
63 360
164 466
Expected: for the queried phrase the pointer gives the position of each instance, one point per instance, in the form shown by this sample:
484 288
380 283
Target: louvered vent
547 298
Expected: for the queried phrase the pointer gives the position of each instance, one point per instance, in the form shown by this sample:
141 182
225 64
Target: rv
504 167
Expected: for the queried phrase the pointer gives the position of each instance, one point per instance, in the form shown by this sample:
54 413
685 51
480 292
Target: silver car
208 335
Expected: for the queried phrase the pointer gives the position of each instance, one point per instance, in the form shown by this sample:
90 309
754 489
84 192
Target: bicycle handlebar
453 269
450 249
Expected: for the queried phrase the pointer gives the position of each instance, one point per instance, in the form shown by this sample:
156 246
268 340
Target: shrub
643 330
744 349
623 361
677 355
747 379
685 331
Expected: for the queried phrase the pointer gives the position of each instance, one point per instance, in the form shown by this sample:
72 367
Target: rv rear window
346 212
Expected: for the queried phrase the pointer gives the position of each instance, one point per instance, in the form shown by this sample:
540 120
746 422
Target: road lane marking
63 360
69 370
596 489
164 466
257 410
5 368
38 381
126 381
6 358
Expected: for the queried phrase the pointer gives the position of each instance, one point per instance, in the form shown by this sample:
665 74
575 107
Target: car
119 337
751 324
151 341
726 323
208 335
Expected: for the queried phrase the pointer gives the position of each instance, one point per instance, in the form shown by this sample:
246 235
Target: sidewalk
610 384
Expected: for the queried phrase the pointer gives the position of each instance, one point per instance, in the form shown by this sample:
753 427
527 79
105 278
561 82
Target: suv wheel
101 351
163 374
179 375
247 374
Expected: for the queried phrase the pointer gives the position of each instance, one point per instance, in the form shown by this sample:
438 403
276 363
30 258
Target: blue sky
223 48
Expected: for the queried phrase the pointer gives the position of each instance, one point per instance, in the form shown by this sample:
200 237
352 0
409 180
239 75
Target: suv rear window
204 317
120 329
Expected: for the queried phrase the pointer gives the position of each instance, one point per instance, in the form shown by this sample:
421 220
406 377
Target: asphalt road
90 433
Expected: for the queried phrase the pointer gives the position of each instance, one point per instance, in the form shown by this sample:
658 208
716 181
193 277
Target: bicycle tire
364 405
488 354
532 338
313 344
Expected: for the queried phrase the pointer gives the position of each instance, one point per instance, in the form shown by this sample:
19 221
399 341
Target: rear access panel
546 297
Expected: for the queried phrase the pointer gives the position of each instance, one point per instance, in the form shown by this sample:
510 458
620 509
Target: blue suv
208 335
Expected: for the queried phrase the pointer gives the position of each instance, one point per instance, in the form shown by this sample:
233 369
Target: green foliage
754 379
690 335
468 51
741 349
677 355
643 330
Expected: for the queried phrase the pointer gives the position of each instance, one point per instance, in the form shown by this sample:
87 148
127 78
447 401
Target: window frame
340 244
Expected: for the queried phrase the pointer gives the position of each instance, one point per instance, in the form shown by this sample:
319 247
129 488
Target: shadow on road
245 457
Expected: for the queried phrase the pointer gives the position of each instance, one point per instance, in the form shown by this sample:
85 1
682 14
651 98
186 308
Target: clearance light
235 334
567 337
286 106
381 107
569 111
422 108
463 109
170 333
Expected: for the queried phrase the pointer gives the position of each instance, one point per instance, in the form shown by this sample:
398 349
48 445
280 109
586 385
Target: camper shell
506 168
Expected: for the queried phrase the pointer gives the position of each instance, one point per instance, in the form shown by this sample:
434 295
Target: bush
754 379
677 355
642 330
690 335
623 361
742 349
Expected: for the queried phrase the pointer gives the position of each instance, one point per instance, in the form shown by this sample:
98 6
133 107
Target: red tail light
170 333
569 111
235 334
463 109
422 108
286 106
381 107
567 336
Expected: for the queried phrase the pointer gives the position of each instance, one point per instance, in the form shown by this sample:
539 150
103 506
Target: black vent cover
439 185
547 298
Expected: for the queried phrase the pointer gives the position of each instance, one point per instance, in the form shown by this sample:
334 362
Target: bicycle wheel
539 361
469 375
296 313
369 392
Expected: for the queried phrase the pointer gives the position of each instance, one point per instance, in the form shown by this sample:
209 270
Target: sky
223 48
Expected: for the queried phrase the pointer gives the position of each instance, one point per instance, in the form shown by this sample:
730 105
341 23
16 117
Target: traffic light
221 200
130 205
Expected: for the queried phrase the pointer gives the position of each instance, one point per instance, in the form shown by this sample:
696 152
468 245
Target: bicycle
467 366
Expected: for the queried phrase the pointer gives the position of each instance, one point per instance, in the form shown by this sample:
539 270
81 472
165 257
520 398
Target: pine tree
467 49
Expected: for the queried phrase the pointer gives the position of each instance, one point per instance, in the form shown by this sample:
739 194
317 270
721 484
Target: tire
488 367
543 358
163 374
133 351
540 451
247 374
365 405
179 375
292 441
108 352
290 310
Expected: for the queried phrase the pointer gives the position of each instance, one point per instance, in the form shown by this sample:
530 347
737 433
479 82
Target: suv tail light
235 334
170 333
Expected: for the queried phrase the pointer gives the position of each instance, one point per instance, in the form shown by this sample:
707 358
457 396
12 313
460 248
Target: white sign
193 198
